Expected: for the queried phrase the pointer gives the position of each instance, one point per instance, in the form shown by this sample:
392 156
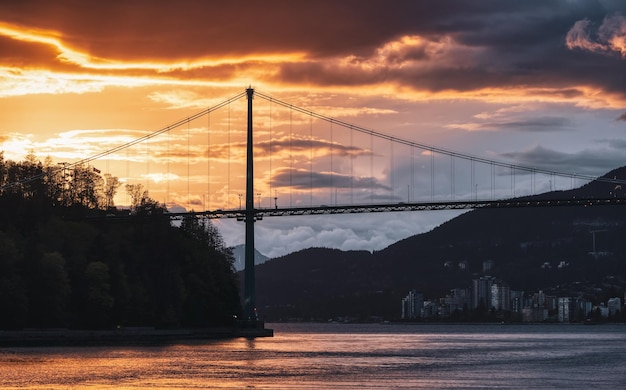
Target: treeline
60 269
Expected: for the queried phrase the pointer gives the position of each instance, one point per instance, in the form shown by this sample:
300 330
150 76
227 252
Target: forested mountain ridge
545 248
61 269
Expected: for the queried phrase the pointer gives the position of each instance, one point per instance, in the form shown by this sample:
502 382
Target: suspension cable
130 143
463 156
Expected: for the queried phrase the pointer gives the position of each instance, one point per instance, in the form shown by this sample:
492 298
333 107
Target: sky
538 83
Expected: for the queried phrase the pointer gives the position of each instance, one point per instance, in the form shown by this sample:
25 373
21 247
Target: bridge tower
249 308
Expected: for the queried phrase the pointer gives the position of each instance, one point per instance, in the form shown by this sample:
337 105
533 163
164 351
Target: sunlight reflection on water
340 356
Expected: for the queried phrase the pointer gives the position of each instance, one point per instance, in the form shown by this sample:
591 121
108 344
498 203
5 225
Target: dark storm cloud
586 162
511 44
305 180
307 146
21 54
161 29
461 46
544 124
532 125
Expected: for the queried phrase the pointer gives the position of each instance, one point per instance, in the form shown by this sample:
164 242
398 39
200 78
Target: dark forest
70 259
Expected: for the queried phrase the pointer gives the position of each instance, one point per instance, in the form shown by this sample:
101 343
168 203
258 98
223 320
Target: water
342 356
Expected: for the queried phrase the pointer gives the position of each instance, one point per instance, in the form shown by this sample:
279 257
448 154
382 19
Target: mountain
239 253
546 248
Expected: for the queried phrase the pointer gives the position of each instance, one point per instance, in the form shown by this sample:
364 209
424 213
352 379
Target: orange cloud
410 67
610 37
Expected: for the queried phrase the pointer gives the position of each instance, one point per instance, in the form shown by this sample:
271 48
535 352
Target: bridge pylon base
252 329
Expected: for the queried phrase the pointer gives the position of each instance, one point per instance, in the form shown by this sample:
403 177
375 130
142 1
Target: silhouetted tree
50 291
13 299
86 187
99 298
137 194
111 184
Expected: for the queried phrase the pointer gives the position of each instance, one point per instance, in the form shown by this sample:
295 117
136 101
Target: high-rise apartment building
500 296
412 305
481 291
567 310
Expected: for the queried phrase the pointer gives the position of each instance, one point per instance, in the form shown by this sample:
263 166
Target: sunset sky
538 83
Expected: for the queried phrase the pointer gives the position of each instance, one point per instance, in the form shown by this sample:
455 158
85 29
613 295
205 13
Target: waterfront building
430 310
458 299
567 310
443 309
412 305
614 306
551 303
539 298
517 301
583 309
481 291
500 296
604 311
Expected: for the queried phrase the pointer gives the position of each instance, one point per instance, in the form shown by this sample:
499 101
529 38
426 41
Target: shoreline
123 336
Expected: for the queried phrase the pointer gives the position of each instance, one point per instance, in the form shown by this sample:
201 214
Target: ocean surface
342 356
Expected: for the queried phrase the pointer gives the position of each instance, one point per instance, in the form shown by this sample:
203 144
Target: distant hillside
523 247
239 253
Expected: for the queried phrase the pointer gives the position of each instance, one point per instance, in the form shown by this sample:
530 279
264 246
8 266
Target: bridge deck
416 206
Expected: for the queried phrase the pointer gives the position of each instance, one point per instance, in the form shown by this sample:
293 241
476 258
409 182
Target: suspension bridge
277 159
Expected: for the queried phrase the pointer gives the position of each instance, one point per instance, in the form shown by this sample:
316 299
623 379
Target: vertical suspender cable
331 164
290 159
371 168
188 165
471 186
167 181
351 167
147 141
228 163
493 181
311 159
432 175
127 171
451 178
514 182
391 171
208 162
270 151
410 198
511 179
